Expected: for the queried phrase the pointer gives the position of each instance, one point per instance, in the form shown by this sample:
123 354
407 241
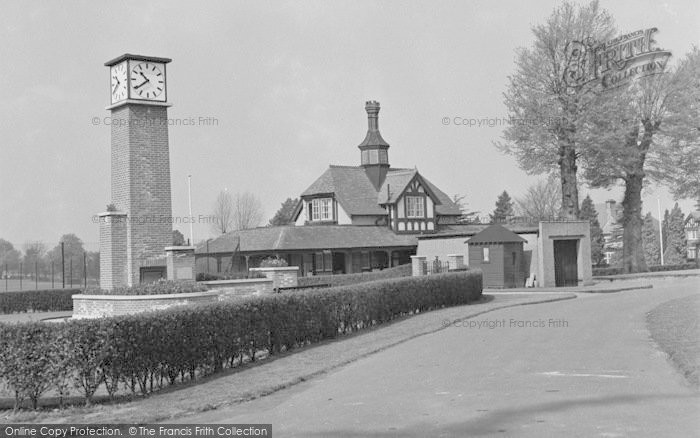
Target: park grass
674 327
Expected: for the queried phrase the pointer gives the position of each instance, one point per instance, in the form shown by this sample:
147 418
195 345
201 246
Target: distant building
351 219
553 253
692 235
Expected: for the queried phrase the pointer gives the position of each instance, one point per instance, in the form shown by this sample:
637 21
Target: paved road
584 367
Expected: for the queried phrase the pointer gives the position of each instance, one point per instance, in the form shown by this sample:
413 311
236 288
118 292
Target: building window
691 253
486 254
415 206
323 261
692 234
321 209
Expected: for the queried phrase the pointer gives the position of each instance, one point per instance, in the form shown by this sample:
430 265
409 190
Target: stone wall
283 276
180 262
96 306
113 254
240 288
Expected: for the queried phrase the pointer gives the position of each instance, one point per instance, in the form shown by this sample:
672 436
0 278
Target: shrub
273 262
49 300
204 276
360 277
601 272
159 287
144 352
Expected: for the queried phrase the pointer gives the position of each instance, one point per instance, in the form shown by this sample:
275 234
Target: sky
274 92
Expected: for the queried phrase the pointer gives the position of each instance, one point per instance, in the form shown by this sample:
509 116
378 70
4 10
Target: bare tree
223 213
542 200
247 211
467 217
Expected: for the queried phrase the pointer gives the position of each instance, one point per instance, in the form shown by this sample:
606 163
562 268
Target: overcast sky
286 84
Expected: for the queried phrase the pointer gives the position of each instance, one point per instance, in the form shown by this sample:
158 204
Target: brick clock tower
136 235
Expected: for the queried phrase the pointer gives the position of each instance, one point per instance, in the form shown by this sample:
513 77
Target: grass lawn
674 327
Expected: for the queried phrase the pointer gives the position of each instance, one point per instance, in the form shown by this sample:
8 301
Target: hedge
156 288
360 277
601 272
48 300
148 351
206 276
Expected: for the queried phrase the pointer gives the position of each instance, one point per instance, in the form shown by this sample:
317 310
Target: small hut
498 252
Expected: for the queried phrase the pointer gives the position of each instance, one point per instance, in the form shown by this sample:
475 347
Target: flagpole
661 234
189 198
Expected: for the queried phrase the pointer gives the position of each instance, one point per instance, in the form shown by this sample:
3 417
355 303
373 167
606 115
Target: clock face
118 82
147 81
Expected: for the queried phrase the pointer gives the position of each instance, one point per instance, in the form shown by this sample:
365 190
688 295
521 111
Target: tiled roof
356 194
464 230
353 190
373 138
496 234
394 184
446 206
308 237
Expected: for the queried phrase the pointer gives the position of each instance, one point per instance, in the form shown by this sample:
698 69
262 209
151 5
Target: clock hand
141 84
143 76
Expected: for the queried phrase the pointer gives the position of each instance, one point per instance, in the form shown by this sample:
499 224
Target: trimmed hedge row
47 300
601 272
360 277
145 352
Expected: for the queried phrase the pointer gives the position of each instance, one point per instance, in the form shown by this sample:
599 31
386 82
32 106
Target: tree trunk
632 221
569 187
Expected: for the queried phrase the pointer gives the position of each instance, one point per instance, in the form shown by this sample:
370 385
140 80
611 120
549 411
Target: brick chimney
374 150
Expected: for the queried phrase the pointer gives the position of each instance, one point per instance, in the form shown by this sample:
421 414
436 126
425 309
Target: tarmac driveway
583 367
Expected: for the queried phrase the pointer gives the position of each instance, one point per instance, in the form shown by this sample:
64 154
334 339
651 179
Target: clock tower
136 230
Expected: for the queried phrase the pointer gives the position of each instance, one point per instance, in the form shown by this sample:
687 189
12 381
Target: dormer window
321 209
415 206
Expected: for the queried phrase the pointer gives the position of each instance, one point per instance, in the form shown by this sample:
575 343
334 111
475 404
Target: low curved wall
240 288
97 306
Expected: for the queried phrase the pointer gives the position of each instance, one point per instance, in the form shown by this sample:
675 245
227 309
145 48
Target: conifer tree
650 241
504 208
589 213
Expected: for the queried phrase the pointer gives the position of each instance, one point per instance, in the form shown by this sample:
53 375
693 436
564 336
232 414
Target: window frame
419 202
321 209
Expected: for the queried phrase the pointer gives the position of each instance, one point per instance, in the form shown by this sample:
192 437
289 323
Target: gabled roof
693 218
353 190
447 207
394 185
496 234
357 195
308 237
